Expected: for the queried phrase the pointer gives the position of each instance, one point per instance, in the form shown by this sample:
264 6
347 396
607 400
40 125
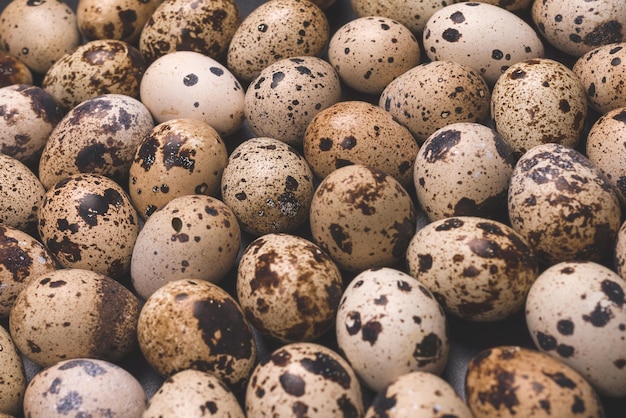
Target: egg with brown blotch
13 71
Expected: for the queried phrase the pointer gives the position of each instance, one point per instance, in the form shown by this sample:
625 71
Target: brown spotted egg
511 5
194 324
13 71
288 287
276 30
87 221
388 324
304 378
21 193
72 313
12 377
435 94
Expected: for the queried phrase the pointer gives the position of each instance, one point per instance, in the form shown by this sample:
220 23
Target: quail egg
13 71
12 376
21 193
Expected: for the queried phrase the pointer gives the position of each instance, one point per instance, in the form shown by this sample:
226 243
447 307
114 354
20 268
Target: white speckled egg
304 378
12 376
187 84
21 193
483 36
389 324
84 388
282 100
13 71
435 94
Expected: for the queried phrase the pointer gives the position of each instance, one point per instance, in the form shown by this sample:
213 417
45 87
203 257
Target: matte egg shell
13 71
620 252
510 5
411 13
12 376
21 193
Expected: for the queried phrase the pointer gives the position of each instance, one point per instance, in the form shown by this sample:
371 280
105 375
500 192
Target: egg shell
511 381
389 324
516 6
268 185
411 13
12 376
483 36
358 132
189 85
21 193
539 101
100 135
433 95
304 378
283 99
194 324
619 252
369 52
84 387
276 30
73 313
87 221
191 236
176 158
563 205
13 71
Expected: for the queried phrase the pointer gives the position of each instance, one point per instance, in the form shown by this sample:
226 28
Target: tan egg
539 101
194 324
13 71
73 313
176 158
192 236
12 376
21 193
435 94
276 30
357 132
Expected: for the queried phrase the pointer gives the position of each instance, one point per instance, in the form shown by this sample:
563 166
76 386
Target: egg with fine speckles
411 13
21 193
12 376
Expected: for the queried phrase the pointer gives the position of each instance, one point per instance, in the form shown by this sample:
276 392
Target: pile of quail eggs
312 208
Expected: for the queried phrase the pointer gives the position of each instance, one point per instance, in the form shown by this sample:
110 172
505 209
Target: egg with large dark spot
13 71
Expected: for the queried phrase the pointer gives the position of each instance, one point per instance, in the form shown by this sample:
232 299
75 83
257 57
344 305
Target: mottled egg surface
12 376
13 71
21 193
620 252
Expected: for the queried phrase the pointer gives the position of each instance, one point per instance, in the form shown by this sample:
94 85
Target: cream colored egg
13 71
412 13
21 193
12 376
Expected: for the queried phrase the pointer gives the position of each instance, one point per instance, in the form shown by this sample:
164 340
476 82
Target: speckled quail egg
13 71
358 132
276 30
571 307
194 324
369 52
389 324
12 376
72 313
282 100
100 135
268 185
22 34
191 236
517 6
563 205
304 379
539 101
362 217
485 37
418 394
619 252
87 221
84 388
478 269
21 193
192 393
103 66
187 84
511 381
435 94
288 287
176 158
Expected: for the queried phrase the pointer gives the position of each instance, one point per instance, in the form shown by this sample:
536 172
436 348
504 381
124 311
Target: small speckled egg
463 169
21 193
191 393
304 379
389 324
13 71
191 236
100 135
268 185
358 132
362 217
187 84
433 95
510 381
276 30
194 324
368 52
84 388
563 205
482 36
176 158
12 376
87 221
539 101
72 313
570 308
282 100
419 395
478 269
22 258
103 66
